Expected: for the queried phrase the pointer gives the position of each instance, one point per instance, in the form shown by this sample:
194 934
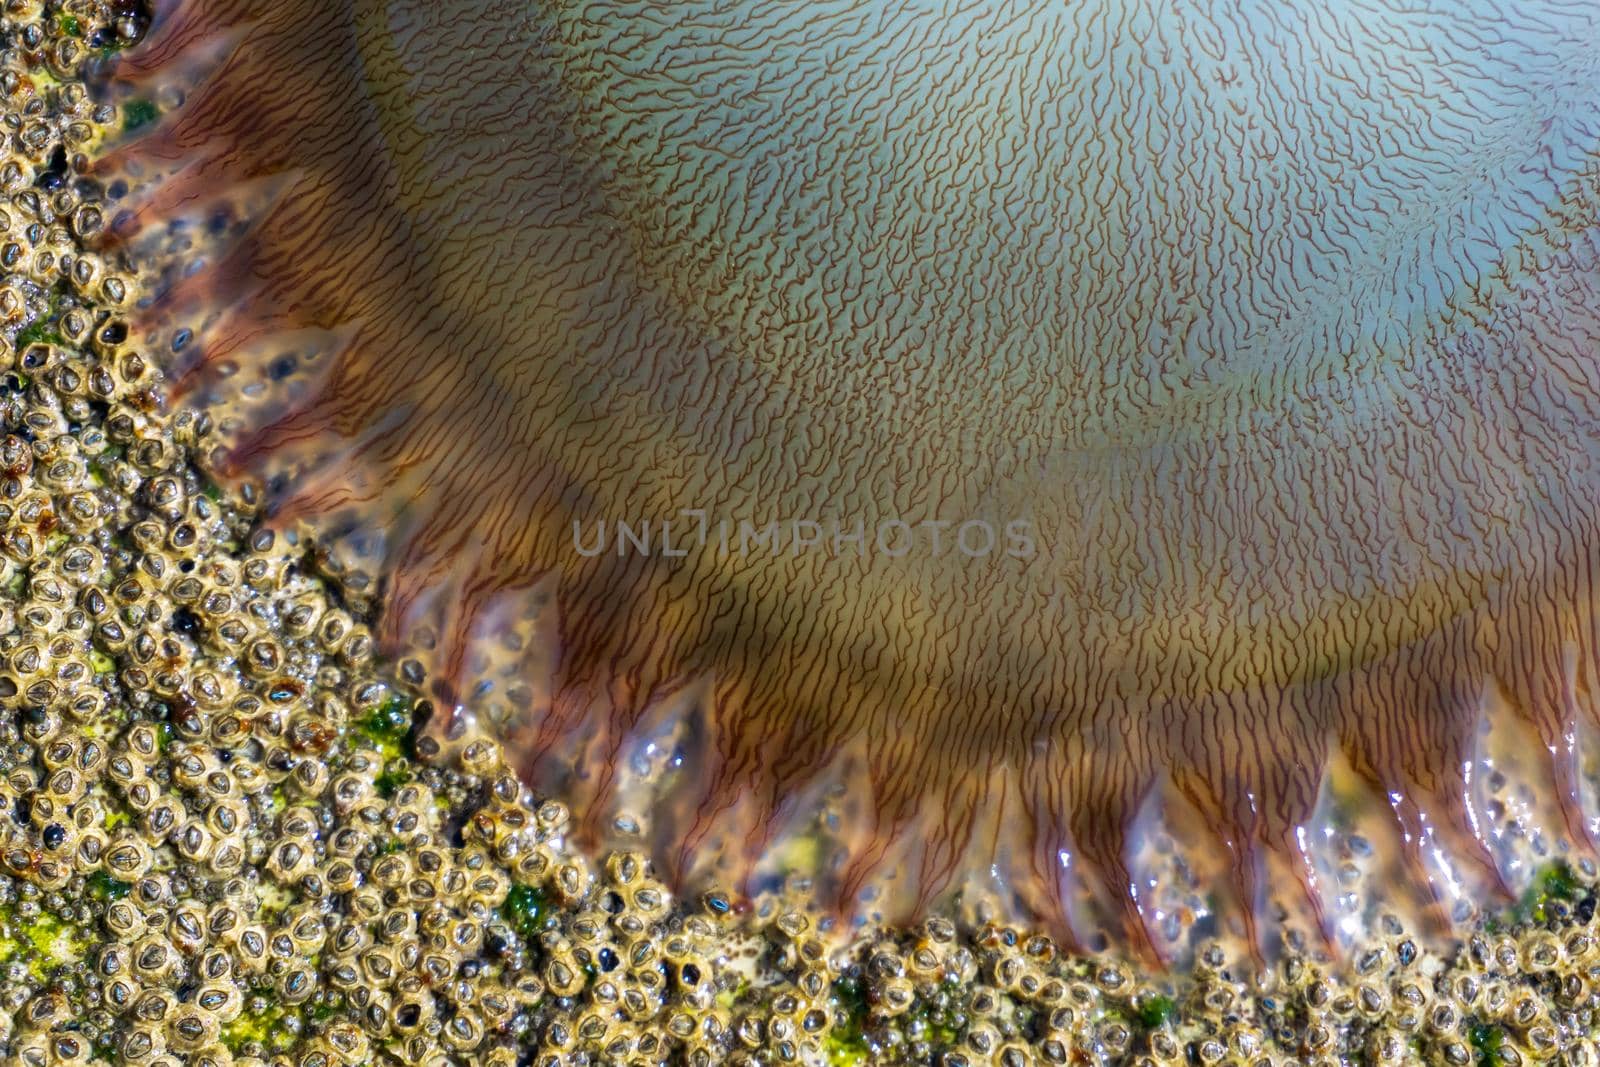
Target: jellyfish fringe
894 752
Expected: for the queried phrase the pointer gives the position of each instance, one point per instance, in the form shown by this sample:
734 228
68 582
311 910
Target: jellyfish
972 421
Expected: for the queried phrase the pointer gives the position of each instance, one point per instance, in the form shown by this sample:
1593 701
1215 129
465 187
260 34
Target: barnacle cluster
1519 990
219 846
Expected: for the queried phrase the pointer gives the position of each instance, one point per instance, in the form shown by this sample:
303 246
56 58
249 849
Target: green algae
389 728
846 1048
43 942
136 114
390 721
1555 881
263 1027
100 465
1155 1011
392 778
42 328
69 24
1488 1041
856 1036
847 1044
525 909
39 331
733 994
103 887
936 1022
45 934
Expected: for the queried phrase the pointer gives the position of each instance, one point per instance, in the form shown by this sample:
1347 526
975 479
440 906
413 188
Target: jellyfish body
994 413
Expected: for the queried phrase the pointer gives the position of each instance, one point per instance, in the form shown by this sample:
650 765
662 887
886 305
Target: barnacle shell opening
1269 330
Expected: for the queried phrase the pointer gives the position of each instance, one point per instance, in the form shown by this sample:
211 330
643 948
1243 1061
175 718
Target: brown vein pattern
1276 323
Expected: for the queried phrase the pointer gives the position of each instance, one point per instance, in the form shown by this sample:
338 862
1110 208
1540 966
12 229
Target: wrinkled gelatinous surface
1262 337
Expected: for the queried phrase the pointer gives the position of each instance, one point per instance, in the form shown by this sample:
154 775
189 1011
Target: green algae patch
390 721
734 994
43 942
325 1010
260 1027
846 1045
939 1032
100 465
69 25
526 908
1555 881
1488 1041
392 778
39 331
46 934
1155 1011
137 114
103 887
389 727
846 1048
803 853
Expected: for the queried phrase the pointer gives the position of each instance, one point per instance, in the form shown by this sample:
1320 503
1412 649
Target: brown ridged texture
1278 327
